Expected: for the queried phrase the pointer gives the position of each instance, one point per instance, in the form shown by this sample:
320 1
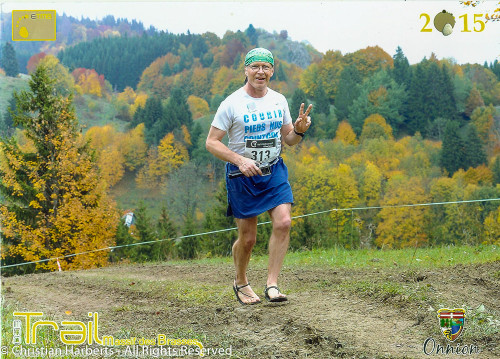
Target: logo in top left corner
33 25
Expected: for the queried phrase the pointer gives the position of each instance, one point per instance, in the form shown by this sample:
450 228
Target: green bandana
259 54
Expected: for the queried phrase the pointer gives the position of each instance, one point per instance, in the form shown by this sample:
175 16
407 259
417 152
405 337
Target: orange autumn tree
55 203
34 60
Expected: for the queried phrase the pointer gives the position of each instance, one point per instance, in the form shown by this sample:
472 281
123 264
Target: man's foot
273 294
245 294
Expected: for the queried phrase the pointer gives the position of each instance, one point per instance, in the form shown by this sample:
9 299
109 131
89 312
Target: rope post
337 217
352 239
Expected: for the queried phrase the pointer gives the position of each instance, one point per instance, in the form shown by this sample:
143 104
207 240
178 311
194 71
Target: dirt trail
332 313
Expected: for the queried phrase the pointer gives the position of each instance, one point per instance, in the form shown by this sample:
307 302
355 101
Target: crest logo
451 322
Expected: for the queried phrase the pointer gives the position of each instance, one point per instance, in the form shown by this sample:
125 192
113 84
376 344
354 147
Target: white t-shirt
244 118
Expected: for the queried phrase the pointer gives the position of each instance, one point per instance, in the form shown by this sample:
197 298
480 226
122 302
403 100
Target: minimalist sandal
237 289
274 299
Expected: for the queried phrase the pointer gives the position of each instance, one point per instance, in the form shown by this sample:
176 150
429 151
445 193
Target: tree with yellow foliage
326 74
345 134
140 101
172 153
375 126
160 161
89 81
55 199
483 120
402 227
371 185
133 147
492 228
198 106
323 185
221 78
106 143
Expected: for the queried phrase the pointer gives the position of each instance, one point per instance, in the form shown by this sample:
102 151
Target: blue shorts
250 196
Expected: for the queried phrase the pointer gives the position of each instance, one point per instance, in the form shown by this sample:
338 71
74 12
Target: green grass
128 195
481 322
387 291
9 85
432 257
94 111
421 258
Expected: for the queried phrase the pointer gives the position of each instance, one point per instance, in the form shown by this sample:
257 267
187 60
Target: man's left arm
291 132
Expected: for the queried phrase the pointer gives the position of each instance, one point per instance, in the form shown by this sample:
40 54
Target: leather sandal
237 289
274 299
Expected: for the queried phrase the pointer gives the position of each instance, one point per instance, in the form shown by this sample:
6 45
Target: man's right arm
215 146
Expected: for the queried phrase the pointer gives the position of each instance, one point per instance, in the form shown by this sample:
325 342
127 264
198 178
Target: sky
347 26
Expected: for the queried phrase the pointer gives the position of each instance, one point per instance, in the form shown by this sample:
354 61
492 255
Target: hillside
342 304
385 136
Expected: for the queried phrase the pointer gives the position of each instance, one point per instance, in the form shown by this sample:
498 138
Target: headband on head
259 54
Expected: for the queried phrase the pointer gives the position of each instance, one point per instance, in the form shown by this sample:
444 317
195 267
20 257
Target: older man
256 120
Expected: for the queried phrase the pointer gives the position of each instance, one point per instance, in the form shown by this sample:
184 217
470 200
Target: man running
257 119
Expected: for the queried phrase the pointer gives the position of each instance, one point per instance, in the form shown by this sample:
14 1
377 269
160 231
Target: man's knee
247 235
248 240
283 224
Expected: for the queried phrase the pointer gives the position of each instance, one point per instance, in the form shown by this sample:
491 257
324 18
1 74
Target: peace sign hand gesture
303 121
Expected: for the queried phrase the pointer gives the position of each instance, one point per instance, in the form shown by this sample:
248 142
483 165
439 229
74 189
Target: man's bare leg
278 244
242 250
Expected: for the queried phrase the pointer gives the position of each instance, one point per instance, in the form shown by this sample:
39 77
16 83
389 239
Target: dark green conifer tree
167 233
123 238
215 219
474 150
495 168
298 97
252 35
322 105
188 247
153 117
348 90
401 72
8 61
452 155
144 232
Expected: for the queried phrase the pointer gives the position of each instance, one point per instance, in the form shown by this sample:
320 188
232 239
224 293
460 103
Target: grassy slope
9 85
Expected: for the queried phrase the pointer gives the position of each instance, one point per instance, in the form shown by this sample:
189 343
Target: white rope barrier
259 224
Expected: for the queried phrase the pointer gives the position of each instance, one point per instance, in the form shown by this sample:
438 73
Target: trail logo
452 322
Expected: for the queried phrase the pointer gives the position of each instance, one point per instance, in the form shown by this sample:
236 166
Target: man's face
259 74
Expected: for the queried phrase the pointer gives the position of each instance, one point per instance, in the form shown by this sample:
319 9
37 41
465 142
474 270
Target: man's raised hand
303 121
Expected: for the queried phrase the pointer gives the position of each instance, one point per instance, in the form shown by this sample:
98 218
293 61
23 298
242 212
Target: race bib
262 151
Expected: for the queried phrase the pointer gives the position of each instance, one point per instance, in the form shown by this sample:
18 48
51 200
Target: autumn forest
112 118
